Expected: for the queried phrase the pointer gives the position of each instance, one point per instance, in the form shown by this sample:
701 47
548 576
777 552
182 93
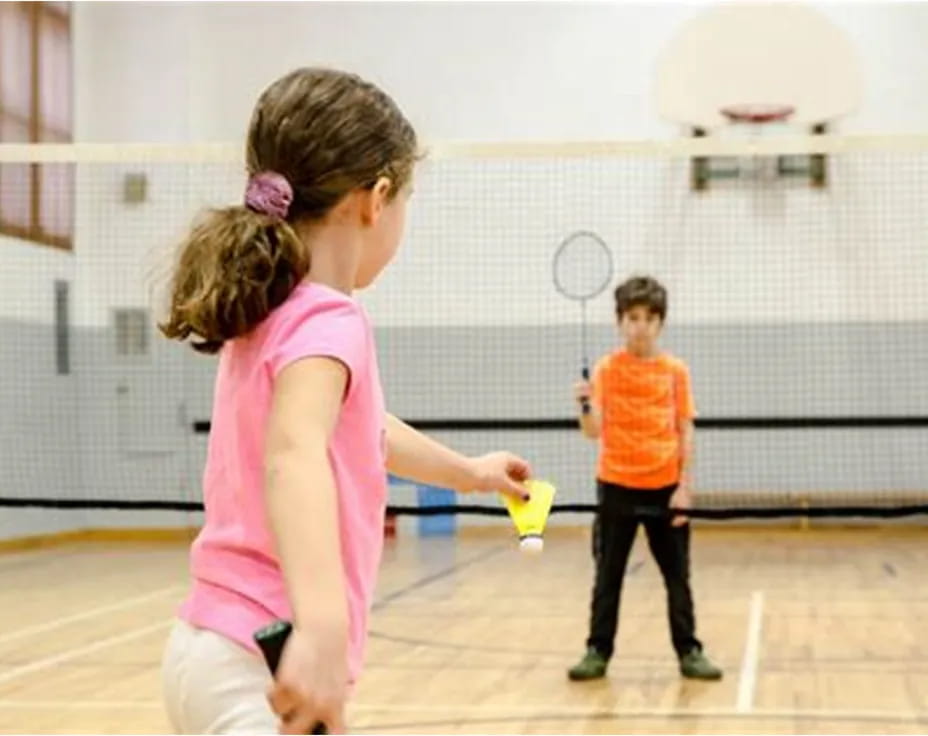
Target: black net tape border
745 512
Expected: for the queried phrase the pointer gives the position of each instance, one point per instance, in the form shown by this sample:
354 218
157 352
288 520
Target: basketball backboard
746 53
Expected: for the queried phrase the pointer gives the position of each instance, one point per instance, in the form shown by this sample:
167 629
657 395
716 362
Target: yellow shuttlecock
531 516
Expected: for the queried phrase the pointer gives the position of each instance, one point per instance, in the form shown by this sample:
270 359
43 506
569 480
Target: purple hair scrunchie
269 194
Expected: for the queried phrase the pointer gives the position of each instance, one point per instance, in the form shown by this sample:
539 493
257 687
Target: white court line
539 710
747 682
46 662
80 705
91 613
549 710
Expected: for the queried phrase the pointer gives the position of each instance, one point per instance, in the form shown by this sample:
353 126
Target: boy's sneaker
697 666
591 667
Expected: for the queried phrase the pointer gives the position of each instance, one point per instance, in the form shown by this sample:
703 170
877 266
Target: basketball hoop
758 114
754 121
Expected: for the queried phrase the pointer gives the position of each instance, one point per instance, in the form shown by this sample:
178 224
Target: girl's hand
502 472
311 686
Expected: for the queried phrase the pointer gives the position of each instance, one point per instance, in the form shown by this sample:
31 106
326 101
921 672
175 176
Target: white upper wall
155 72
526 70
460 70
131 63
27 275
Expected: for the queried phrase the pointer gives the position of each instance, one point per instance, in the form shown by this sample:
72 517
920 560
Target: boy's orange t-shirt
642 403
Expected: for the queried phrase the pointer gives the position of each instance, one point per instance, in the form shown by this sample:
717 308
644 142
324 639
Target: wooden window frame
39 14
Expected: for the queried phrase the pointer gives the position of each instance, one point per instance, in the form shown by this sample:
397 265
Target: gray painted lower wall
38 430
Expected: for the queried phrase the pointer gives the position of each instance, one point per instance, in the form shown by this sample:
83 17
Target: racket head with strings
582 269
582 266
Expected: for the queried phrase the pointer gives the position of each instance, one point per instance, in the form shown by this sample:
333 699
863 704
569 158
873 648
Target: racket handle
584 402
271 640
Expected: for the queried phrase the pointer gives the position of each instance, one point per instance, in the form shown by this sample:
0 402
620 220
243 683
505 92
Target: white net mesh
801 311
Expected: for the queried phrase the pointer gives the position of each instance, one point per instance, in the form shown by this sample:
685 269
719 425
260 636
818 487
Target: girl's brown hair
323 133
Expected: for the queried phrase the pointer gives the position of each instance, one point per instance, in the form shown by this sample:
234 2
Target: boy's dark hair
325 133
641 291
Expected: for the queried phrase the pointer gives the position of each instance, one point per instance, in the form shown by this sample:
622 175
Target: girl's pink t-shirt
237 585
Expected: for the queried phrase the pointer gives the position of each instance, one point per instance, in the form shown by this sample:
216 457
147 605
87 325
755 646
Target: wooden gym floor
818 632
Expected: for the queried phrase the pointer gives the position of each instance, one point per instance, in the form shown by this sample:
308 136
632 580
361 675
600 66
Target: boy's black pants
620 512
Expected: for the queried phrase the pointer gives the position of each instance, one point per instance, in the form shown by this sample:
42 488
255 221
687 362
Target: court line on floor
538 715
475 648
90 613
80 704
536 711
747 681
530 708
69 654
387 599
633 662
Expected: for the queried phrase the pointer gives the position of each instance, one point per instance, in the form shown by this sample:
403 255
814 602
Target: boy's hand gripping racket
582 270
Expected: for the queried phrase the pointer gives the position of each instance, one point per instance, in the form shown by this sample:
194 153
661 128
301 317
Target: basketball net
754 121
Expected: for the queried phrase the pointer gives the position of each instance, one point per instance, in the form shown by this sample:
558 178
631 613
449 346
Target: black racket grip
271 640
584 402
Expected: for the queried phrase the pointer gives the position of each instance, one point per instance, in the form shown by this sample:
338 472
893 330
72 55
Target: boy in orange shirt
640 408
